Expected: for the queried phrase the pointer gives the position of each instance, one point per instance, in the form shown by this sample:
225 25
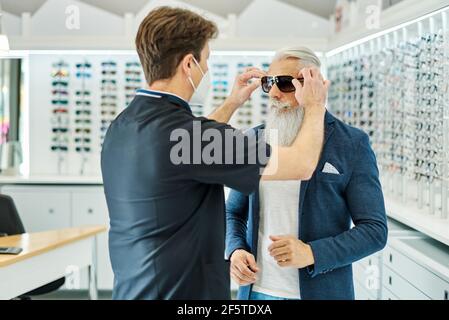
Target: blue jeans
261 296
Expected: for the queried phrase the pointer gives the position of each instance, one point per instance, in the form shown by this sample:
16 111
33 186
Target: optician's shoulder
255 130
145 112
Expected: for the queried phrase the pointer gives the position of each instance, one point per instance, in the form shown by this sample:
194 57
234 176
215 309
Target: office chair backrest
10 222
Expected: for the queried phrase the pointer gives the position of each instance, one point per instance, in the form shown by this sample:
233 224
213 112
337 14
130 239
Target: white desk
51 180
46 257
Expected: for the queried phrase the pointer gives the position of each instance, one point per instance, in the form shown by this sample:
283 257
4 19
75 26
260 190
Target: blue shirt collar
173 98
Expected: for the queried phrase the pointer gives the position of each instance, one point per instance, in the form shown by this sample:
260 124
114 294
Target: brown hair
166 36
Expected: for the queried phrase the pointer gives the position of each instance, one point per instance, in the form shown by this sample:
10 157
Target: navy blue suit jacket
328 205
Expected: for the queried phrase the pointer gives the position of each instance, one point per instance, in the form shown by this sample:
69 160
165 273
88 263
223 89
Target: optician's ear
186 64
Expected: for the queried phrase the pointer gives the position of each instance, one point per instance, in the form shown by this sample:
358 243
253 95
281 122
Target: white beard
286 120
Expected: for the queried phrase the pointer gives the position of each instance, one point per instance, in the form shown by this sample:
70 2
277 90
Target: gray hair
306 56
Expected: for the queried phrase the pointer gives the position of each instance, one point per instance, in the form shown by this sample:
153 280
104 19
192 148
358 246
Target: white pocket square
328 168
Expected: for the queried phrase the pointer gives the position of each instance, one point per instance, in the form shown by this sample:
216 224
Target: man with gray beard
284 120
293 239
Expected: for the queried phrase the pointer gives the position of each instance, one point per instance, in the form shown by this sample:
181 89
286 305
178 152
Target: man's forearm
309 142
224 113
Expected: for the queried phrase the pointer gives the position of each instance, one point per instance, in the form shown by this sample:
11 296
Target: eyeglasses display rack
89 91
60 113
395 88
83 119
109 91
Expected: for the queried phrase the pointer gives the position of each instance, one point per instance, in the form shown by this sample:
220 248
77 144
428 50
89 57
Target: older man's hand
289 251
313 93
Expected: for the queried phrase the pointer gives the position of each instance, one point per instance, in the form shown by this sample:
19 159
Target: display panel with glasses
109 98
397 92
60 116
83 118
88 91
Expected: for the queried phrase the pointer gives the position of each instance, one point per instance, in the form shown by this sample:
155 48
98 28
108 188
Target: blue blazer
328 203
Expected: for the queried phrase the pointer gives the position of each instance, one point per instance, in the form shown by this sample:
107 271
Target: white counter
433 226
55 179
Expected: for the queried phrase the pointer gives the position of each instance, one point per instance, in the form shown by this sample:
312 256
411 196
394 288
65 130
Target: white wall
50 20
11 24
271 18
264 25
220 21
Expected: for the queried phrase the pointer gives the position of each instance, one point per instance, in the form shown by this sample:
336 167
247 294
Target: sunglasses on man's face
284 83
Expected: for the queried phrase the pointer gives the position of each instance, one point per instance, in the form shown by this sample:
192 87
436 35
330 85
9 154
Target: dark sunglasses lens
267 84
285 84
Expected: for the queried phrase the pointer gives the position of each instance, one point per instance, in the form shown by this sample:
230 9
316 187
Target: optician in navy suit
163 182
293 240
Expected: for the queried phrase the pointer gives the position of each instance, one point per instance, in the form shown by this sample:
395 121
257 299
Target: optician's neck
173 86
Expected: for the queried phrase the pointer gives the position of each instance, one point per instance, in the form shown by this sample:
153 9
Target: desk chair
11 224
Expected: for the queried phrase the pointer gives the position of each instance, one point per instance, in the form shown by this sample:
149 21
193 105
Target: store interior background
63 82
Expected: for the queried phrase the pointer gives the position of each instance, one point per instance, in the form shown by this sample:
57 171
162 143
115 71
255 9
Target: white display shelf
432 226
54 179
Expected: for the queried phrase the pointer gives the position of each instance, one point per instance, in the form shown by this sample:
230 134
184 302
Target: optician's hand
289 251
243 267
244 87
313 94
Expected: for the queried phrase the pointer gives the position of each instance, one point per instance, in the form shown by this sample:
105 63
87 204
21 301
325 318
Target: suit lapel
328 131
329 127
